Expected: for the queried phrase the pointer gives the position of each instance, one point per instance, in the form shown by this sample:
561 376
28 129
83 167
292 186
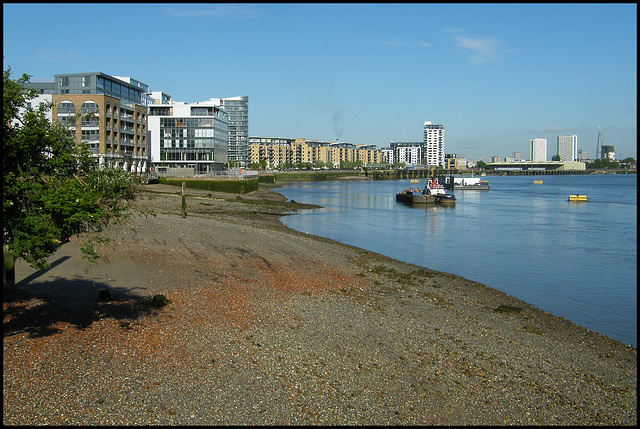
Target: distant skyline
494 75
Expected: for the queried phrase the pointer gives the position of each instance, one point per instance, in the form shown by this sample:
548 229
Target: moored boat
464 183
415 196
433 192
437 190
577 198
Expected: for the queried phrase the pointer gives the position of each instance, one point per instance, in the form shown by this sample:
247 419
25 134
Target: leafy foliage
603 164
52 187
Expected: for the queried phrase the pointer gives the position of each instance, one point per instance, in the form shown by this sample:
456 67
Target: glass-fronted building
190 136
237 109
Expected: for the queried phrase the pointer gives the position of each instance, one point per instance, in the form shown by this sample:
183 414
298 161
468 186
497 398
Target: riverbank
271 326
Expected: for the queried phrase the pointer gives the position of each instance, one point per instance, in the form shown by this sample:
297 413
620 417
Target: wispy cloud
229 12
483 49
58 57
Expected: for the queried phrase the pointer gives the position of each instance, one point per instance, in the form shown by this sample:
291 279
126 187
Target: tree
52 188
603 163
481 164
555 158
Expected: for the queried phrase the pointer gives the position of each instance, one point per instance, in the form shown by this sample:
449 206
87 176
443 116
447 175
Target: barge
433 192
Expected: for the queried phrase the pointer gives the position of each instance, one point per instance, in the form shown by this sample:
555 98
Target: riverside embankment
271 326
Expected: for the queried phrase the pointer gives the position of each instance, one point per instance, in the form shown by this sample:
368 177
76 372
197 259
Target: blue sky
494 75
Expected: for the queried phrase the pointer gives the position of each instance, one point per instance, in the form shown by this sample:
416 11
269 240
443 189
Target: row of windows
188 122
187 156
109 87
67 107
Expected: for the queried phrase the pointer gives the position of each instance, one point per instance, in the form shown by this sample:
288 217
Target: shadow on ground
33 311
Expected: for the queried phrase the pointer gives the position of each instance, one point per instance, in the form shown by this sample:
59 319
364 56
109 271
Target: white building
410 155
538 150
188 135
568 147
387 154
38 101
434 144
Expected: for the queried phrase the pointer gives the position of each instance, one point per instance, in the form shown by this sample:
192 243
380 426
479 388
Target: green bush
267 178
230 186
292 176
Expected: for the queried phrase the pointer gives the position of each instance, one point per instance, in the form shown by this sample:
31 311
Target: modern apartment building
411 153
388 155
568 147
434 144
190 136
113 115
583 156
277 150
455 161
237 109
538 150
274 150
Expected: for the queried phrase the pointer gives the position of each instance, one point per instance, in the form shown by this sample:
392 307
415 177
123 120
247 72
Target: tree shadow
40 314
42 271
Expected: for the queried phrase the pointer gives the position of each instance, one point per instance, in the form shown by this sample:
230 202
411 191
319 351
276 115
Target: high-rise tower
538 150
433 152
238 110
568 147
599 144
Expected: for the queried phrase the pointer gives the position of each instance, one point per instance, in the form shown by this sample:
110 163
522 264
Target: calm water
576 260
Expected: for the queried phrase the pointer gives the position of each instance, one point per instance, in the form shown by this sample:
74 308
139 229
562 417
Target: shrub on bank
267 178
240 186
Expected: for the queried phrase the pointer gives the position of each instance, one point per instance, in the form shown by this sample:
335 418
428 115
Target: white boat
437 190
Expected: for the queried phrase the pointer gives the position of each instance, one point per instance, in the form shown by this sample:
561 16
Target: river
577 260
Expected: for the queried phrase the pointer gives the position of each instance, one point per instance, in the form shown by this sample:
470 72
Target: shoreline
272 326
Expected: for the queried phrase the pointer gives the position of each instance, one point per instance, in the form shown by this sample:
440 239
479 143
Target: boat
433 192
464 183
415 196
577 198
437 190
537 182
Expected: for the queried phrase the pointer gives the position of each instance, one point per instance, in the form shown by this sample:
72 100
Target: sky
494 75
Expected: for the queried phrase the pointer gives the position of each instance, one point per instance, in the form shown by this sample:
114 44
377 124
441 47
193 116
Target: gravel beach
269 326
